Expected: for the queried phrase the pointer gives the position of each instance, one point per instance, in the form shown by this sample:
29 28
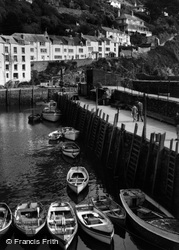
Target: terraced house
19 50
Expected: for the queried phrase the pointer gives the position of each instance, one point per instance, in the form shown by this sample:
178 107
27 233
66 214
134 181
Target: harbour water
33 169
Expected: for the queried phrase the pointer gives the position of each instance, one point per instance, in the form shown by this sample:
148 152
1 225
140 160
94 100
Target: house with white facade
39 45
117 35
132 24
15 60
115 3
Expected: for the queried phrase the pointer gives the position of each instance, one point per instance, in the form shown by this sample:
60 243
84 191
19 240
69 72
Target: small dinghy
94 222
77 178
33 118
70 149
5 218
29 218
55 135
70 133
112 209
62 223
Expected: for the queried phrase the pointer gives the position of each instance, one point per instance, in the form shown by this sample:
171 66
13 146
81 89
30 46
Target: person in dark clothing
177 125
140 111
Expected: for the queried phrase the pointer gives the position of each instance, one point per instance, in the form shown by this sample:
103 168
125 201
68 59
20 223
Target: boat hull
70 133
6 226
101 230
29 218
97 235
75 183
151 233
59 233
52 117
70 149
109 207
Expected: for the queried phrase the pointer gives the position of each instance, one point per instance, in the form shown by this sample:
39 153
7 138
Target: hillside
66 17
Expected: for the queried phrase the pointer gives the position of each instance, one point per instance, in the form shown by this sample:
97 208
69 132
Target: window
80 50
107 42
31 49
107 49
100 49
15 75
7 58
23 50
15 58
23 58
42 43
7 75
65 50
23 66
43 50
100 43
15 66
6 49
57 49
58 57
32 58
43 57
90 49
7 66
70 50
88 43
23 75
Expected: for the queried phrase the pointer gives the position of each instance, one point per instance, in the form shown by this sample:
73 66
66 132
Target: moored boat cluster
96 217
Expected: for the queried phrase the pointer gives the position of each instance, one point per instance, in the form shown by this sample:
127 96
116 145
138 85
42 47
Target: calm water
31 168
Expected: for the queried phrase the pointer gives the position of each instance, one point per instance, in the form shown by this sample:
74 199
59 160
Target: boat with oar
29 217
62 223
112 209
5 218
77 178
94 222
151 220
70 149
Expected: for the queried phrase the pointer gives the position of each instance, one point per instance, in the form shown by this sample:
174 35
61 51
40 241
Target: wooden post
19 97
7 98
145 118
161 146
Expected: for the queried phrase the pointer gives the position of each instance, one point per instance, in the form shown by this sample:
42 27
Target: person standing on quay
177 125
134 113
140 111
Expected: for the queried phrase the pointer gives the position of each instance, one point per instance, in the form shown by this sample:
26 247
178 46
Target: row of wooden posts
129 157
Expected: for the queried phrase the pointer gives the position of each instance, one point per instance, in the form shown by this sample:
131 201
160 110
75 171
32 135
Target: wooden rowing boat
112 209
77 178
70 149
30 218
62 223
149 218
94 222
5 218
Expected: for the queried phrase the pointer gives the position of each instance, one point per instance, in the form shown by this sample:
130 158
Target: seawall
129 160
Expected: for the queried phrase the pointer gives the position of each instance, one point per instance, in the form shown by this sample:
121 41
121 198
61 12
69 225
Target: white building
15 60
117 35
